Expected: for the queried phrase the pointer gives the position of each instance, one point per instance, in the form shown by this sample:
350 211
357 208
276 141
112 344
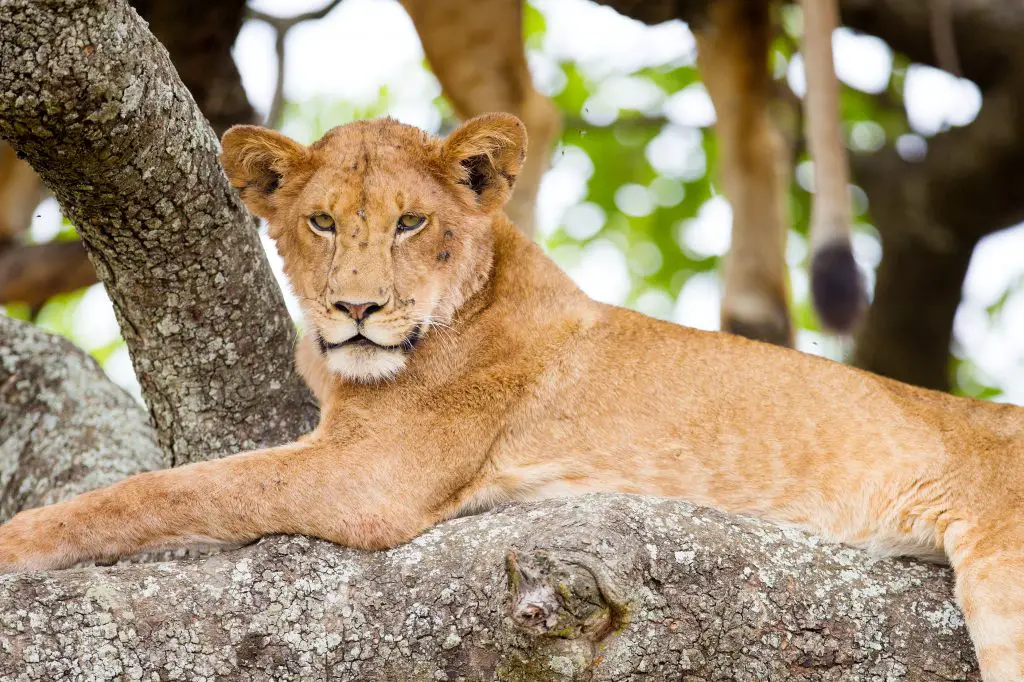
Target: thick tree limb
986 35
598 588
91 99
65 428
198 34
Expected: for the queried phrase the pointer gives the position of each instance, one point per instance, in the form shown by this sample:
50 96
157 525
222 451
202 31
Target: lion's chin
360 358
366 364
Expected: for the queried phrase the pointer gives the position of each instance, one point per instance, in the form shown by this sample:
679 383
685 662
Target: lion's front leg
989 563
304 488
218 501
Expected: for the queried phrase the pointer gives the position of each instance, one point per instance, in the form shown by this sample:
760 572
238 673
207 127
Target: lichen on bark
64 427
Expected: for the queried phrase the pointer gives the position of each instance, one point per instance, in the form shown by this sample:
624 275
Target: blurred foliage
632 198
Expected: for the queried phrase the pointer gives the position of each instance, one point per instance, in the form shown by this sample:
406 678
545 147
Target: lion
458 367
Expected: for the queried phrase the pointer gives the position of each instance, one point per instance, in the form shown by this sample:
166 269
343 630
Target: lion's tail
837 287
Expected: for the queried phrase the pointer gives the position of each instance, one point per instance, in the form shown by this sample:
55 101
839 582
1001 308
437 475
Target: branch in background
34 273
653 12
943 38
89 97
65 428
281 26
602 587
907 332
985 38
20 193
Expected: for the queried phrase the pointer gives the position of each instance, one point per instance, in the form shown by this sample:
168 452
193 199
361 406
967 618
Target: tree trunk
91 99
199 35
967 186
597 588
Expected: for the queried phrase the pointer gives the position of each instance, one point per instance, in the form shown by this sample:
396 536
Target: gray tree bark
64 427
592 588
91 99
198 35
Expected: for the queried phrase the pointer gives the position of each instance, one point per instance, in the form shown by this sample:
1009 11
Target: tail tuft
837 287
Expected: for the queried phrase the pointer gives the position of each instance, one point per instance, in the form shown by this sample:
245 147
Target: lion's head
384 230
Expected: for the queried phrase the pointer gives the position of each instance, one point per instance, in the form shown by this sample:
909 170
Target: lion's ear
256 161
486 154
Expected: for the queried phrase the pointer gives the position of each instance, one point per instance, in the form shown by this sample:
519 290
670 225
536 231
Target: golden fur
520 387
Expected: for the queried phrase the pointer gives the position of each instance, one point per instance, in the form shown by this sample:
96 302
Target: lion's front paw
29 542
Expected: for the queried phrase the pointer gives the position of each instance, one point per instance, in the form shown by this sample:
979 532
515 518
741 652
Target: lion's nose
358 311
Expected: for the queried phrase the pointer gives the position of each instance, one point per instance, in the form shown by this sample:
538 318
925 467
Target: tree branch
598 588
966 187
65 428
92 101
281 26
198 34
985 37
982 39
33 273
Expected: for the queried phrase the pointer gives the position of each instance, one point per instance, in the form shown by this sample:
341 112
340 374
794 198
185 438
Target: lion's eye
410 221
322 222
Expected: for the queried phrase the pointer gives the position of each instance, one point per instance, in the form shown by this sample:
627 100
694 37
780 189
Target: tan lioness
458 367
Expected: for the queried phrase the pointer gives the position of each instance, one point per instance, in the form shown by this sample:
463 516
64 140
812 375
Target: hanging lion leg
476 51
733 60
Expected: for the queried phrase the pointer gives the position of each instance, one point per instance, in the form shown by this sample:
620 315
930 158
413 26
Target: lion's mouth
405 345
